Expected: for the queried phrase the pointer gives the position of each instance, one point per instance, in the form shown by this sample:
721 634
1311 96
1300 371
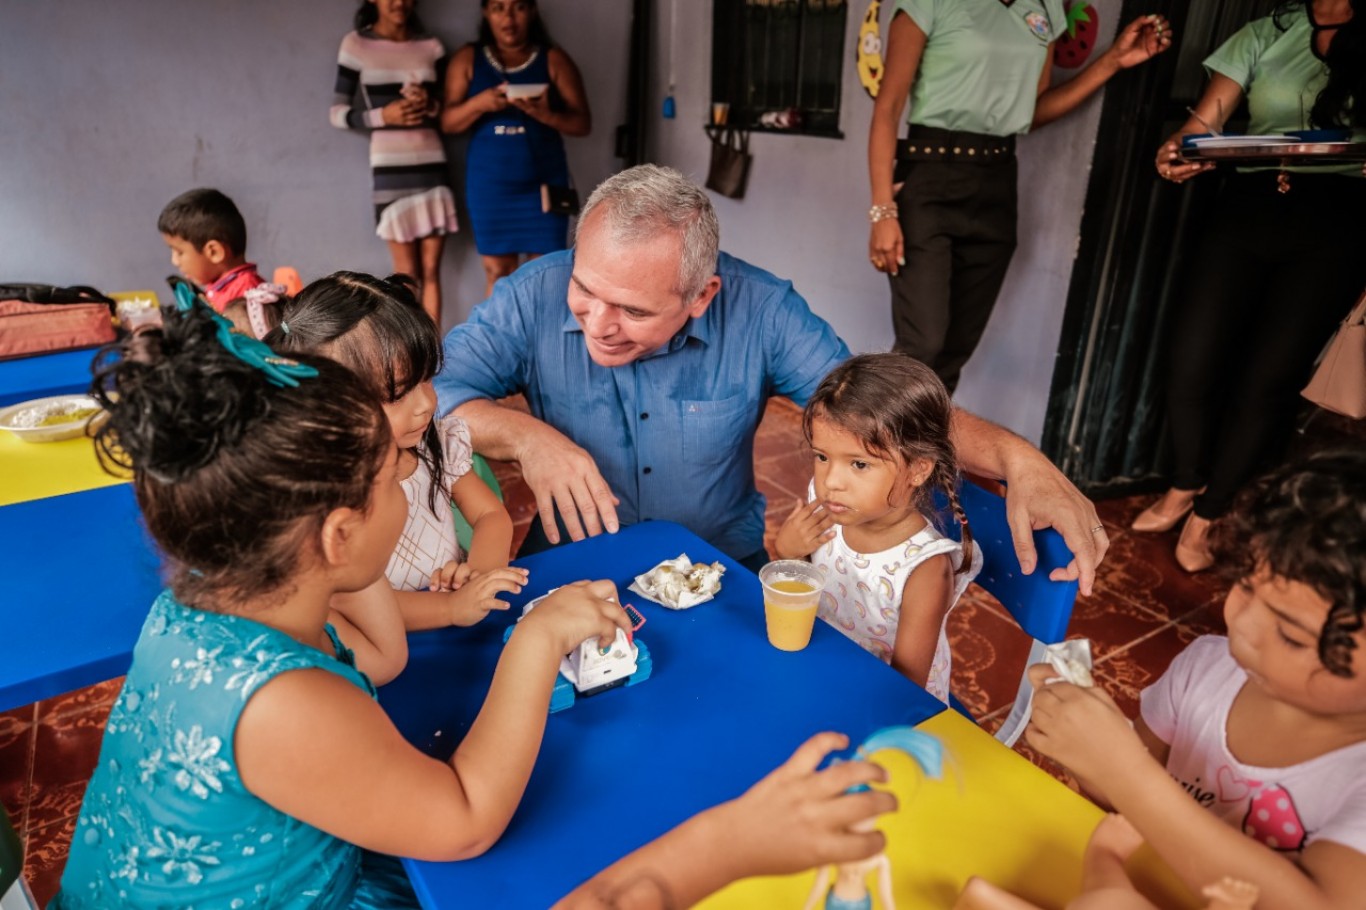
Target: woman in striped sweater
387 85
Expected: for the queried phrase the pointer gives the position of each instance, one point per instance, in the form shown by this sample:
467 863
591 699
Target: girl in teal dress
246 762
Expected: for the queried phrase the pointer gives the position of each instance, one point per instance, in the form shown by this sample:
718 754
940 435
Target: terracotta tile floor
1144 611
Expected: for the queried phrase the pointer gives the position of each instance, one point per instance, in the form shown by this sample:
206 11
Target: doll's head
234 476
1302 529
879 427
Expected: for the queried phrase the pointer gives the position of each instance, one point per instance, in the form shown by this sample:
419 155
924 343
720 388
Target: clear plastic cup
792 594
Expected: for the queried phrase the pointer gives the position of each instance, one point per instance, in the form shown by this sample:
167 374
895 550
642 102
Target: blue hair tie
280 371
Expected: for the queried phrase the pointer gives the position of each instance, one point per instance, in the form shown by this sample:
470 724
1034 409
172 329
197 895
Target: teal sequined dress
167 822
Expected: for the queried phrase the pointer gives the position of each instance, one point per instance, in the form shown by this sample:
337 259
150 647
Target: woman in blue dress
518 94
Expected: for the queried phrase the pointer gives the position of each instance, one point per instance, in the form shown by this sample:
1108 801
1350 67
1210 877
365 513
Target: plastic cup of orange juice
792 592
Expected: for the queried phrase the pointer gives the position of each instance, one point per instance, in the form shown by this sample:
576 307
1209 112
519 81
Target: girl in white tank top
878 426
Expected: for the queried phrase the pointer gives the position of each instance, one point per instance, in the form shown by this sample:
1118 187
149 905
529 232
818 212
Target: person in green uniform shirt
1278 268
943 225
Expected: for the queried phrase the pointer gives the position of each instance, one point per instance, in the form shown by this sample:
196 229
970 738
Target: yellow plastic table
36 470
993 815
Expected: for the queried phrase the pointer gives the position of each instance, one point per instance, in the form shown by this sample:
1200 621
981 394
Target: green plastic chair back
463 532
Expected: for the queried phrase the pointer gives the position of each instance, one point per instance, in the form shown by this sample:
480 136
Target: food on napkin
680 583
1071 660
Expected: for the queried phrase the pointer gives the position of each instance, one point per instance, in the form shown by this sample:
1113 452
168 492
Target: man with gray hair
646 392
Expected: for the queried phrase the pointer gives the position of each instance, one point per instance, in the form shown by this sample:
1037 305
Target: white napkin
679 583
1072 661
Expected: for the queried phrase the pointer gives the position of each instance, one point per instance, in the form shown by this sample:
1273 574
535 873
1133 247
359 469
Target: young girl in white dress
878 426
376 328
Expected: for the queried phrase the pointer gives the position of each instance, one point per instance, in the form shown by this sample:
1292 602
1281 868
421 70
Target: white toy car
588 670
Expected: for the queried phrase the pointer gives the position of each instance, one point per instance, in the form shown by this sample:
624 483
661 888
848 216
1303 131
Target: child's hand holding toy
1083 729
798 817
571 615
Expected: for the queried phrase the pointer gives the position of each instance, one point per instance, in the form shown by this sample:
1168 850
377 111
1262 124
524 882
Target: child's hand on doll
451 577
1082 729
798 818
804 531
571 615
479 594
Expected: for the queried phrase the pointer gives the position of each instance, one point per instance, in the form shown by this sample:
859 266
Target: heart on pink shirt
1233 788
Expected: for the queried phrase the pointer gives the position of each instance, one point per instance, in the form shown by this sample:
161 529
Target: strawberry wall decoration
1078 39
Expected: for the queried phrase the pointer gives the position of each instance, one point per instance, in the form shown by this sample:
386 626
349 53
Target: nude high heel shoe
1153 520
1192 551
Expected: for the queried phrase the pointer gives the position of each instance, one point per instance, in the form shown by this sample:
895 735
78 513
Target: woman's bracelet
882 212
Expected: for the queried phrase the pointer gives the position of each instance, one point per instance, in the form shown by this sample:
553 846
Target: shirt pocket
714 430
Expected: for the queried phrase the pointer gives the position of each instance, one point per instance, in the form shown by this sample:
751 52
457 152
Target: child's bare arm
491 543
370 623
793 819
924 601
318 748
1083 730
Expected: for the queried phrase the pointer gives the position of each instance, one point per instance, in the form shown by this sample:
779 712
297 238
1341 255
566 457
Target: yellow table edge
37 470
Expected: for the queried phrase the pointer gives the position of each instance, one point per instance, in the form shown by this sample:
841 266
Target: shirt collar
230 275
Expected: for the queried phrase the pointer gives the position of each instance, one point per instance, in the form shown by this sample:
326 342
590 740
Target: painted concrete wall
112 109
804 217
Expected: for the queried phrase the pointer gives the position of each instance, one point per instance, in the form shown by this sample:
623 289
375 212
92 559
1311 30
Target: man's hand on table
562 475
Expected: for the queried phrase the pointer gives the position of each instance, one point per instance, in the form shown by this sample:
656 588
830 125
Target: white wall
804 218
112 109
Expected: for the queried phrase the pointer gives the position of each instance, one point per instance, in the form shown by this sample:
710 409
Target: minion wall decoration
869 52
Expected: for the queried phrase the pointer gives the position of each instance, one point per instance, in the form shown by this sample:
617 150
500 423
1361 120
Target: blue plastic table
722 708
77 576
26 378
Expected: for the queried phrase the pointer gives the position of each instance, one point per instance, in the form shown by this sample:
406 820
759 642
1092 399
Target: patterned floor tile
1117 514
1110 622
99 697
17 738
66 751
45 854
988 657
1140 570
1139 664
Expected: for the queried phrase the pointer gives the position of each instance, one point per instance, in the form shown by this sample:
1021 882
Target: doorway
1106 424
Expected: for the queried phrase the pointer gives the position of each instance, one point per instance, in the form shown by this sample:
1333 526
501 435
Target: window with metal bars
773 56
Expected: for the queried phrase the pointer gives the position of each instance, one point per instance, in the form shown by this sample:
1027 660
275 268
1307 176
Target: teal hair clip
280 371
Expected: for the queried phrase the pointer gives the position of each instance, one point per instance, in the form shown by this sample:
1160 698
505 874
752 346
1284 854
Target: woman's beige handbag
1339 382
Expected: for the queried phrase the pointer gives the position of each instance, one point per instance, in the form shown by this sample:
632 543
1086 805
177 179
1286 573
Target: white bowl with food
526 90
50 419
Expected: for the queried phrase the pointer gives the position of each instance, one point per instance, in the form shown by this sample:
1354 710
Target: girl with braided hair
878 427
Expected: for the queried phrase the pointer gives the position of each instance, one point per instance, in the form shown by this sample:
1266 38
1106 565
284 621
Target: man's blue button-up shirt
672 432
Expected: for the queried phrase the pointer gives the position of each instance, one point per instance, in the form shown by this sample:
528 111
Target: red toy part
1077 42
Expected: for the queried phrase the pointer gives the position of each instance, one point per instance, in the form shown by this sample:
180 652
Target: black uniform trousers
957 213
1273 276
